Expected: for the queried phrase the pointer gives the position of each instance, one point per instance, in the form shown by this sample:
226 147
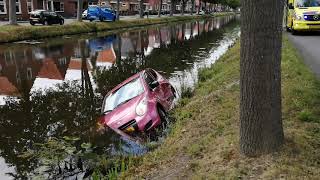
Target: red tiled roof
6 87
77 64
107 55
50 70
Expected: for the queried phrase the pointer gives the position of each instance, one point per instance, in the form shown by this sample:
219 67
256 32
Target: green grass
18 33
204 141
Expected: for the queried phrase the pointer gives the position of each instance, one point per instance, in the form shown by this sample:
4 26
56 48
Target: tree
183 5
173 5
192 6
141 10
261 128
118 10
79 10
12 12
160 7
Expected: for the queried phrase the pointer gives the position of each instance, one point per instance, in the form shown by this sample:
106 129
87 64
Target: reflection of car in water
100 13
139 104
303 15
100 44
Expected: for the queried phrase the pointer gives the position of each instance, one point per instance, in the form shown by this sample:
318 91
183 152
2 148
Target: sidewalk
71 20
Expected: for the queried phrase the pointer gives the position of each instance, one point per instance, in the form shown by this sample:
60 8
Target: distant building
67 8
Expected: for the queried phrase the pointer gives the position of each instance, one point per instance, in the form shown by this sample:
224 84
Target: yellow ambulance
303 15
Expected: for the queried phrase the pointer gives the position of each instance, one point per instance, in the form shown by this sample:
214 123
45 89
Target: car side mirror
291 6
154 84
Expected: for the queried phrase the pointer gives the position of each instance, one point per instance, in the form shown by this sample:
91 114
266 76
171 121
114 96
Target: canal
53 88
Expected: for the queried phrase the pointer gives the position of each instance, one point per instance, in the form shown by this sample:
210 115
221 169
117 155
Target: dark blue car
101 13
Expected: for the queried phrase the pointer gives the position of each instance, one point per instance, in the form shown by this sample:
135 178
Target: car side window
149 77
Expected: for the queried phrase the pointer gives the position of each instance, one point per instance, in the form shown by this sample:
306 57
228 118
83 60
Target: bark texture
160 8
79 10
141 10
118 10
173 7
12 12
261 128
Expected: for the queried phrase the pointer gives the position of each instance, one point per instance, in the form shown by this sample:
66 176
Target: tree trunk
12 12
160 8
199 8
118 10
260 77
192 6
173 4
141 8
182 7
79 10
205 6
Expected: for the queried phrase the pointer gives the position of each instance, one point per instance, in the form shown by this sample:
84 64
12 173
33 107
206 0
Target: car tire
163 117
288 29
46 23
294 32
32 23
61 22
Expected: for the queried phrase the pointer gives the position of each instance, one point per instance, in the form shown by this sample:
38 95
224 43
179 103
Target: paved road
68 21
309 46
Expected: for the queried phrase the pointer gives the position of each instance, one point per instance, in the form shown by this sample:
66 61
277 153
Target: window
58 6
29 73
123 4
18 78
62 61
18 7
29 5
3 8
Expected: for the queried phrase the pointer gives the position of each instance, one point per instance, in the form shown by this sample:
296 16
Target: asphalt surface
308 44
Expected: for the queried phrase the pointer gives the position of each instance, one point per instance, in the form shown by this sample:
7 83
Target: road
308 45
71 20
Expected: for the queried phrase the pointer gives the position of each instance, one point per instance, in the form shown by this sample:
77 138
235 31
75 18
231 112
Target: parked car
139 104
85 14
100 13
45 17
201 12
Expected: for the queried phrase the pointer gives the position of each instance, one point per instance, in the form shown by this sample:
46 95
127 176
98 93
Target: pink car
139 104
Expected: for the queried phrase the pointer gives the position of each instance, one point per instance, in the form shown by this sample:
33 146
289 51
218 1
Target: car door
163 91
55 18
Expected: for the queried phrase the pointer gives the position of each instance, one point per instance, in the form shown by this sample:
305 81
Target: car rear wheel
61 22
46 23
163 117
32 23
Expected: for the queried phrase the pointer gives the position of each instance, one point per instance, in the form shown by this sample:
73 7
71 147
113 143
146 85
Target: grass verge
204 141
18 33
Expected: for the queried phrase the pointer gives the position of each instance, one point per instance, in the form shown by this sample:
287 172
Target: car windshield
308 3
123 95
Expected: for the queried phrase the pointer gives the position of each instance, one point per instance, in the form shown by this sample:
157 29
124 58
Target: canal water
53 88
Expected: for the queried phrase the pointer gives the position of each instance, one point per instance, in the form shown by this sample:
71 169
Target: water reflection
55 88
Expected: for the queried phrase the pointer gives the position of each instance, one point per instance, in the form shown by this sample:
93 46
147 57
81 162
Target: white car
85 14
201 12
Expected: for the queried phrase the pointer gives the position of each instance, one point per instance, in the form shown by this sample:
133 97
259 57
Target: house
67 8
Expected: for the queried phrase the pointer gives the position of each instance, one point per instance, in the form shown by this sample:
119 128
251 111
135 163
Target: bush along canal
54 89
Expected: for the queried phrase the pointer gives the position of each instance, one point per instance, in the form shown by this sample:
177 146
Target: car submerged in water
139 104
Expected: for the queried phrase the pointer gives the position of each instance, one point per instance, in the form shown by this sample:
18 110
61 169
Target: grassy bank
18 33
204 141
